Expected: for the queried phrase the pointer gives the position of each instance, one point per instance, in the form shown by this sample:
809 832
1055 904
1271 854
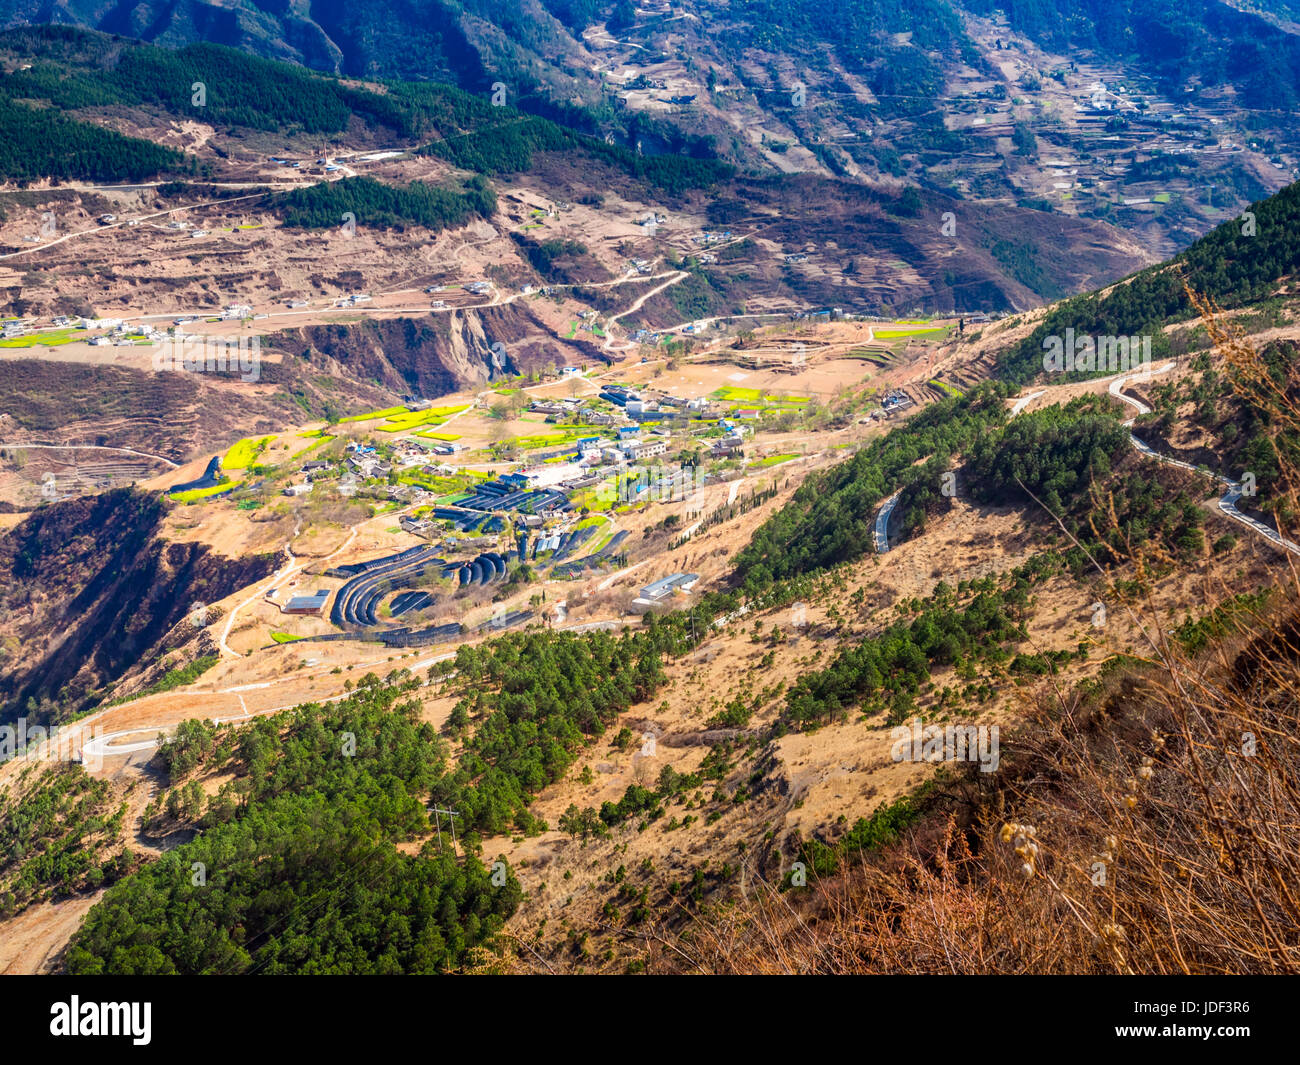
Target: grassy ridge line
1237 263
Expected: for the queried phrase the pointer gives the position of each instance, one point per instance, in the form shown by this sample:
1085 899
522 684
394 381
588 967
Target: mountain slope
92 592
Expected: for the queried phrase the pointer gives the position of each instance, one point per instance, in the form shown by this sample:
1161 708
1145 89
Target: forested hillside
831 517
37 143
297 847
1062 459
1240 262
59 835
496 141
70 69
386 206
1067 459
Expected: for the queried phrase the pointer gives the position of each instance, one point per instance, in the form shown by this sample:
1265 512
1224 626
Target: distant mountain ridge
464 41
978 98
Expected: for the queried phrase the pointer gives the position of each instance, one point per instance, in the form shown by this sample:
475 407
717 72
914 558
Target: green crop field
387 412
539 440
410 419
197 495
751 398
602 538
951 390
243 453
315 443
598 496
731 392
53 338
907 331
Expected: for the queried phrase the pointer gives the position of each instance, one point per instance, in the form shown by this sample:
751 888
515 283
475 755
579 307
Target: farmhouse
657 592
417 526
307 604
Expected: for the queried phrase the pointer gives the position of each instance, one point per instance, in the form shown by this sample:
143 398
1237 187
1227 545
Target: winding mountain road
1233 490
90 447
882 522
276 580
105 227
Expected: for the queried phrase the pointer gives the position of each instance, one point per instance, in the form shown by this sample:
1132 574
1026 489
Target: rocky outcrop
434 355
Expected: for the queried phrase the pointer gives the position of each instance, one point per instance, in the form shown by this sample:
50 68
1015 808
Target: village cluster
484 513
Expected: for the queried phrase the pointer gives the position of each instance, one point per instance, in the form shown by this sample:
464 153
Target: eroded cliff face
434 355
89 592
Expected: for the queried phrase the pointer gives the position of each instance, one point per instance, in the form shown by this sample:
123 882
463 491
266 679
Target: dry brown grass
1148 822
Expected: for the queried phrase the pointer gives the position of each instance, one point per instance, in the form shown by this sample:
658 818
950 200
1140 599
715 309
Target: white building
644 449
551 473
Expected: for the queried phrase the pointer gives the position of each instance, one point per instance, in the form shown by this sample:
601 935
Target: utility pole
451 815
